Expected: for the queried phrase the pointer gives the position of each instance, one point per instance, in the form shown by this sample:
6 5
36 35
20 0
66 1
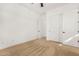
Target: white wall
62 19
20 24
17 24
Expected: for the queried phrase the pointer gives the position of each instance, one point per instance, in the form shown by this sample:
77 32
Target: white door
69 24
41 25
54 26
62 26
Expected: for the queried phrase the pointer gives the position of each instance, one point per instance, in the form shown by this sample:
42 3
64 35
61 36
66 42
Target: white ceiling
47 6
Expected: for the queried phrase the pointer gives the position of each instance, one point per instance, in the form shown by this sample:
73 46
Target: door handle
78 31
38 30
63 32
78 41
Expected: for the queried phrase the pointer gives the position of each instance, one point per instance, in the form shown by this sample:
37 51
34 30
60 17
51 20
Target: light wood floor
40 47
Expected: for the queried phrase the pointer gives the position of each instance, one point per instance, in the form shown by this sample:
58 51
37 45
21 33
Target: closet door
55 26
62 25
69 24
72 36
41 25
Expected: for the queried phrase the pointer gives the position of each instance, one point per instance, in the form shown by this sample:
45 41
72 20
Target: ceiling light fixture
42 5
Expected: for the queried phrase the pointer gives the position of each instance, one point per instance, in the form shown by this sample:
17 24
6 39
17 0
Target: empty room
39 29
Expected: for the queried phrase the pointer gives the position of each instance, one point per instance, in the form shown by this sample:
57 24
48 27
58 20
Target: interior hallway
40 47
